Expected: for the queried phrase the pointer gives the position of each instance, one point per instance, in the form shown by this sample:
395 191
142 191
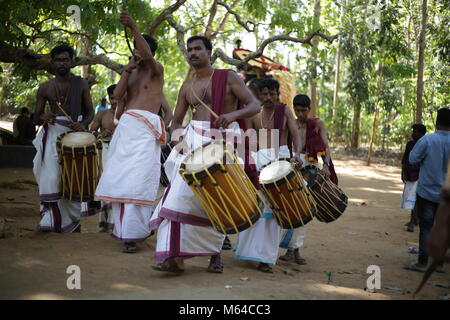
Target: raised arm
142 45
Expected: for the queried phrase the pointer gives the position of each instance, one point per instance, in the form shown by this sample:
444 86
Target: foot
264 267
77 229
129 247
215 264
289 256
169 265
298 259
103 229
227 244
415 266
410 227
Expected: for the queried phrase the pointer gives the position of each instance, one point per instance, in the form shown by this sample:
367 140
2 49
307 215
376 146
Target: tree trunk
312 84
356 126
377 113
418 115
84 44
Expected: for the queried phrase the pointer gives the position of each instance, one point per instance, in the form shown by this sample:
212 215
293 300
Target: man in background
102 106
410 175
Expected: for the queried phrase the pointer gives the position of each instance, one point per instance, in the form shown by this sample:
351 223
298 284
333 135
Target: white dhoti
59 215
184 230
409 195
105 219
130 178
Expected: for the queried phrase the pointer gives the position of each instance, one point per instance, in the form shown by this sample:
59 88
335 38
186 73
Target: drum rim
77 150
203 173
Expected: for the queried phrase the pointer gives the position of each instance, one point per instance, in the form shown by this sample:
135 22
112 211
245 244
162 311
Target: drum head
204 157
275 171
78 139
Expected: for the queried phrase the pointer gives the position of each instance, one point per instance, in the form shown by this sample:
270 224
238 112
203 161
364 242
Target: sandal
287 257
264 267
299 260
169 265
130 247
215 265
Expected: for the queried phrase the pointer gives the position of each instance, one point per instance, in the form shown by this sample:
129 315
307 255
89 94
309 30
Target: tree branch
287 37
218 53
224 20
33 60
212 15
164 15
180 35
238 17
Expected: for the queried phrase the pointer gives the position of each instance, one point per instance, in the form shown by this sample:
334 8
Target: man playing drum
184 230
313 133
276 126
130 178
70 109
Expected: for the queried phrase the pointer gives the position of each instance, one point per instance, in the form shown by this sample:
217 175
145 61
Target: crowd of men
134 129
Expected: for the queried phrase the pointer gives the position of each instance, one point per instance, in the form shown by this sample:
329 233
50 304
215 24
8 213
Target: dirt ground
370 232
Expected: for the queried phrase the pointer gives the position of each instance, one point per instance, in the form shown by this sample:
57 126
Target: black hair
24 110
110 89
151 42
443 117
420 128
302 100
269 83
253 85
103 99
60 49
206 41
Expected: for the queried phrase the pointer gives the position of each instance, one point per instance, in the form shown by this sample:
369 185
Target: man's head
199 50
443 119
24 112
268 92
419 130
302 106
62 57
151 43
253 85
103 102
110 91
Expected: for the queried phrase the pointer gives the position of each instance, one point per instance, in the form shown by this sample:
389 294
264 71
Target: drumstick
64 113
204 104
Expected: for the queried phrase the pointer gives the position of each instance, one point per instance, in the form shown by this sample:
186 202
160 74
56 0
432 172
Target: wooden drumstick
205 105
64 112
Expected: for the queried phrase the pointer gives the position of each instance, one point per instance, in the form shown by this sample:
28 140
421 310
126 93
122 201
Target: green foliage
40 25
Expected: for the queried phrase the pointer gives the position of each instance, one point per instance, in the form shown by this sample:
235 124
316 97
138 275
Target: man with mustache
130 179
184 230
70 109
